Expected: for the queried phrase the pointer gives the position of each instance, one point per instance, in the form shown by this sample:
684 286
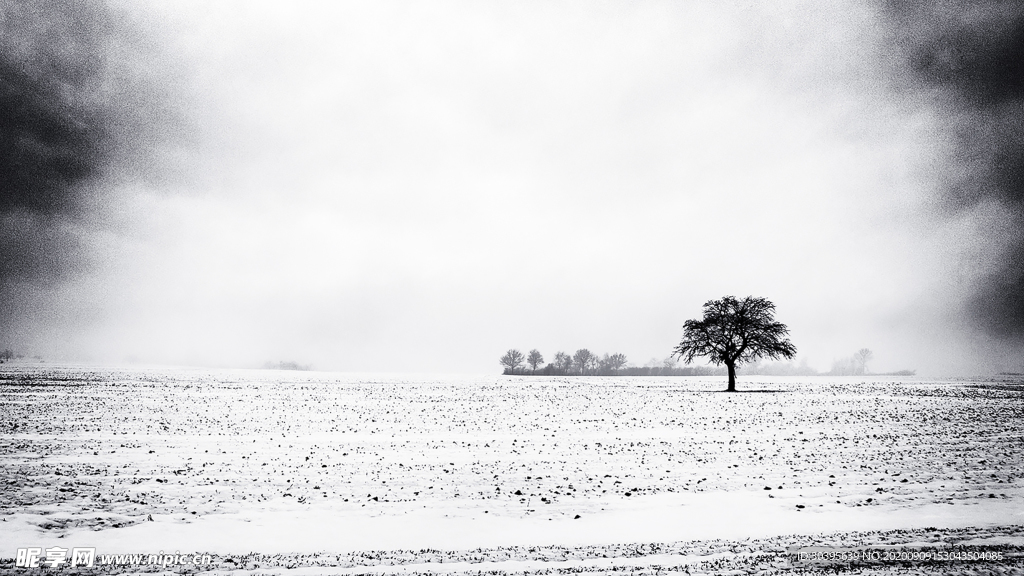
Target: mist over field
400 187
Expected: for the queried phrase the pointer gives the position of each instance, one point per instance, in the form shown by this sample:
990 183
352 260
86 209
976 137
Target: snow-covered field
329 473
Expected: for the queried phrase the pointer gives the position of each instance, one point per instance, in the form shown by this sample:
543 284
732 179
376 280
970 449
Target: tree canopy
535 359
512 360
734 331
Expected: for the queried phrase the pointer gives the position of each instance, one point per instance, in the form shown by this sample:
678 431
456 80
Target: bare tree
844 367
611 364
584 359
563 362
534 360
733 332
512 360
861 358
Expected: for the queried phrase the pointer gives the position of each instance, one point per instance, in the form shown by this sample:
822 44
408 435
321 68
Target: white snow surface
232 462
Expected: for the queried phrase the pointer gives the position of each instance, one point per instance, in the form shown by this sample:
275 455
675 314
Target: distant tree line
286 365
857 365
585 363
672 370
852 365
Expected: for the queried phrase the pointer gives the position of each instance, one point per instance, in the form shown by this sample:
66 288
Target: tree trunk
732 377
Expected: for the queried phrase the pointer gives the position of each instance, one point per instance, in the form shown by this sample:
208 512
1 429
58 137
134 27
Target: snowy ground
317 472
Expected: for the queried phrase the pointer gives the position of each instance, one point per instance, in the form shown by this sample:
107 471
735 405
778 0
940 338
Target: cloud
87 105
972 52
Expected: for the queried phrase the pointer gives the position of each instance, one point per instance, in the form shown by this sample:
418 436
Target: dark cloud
87 103
973 53
53 134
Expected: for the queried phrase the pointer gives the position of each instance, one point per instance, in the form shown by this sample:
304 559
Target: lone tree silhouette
733 332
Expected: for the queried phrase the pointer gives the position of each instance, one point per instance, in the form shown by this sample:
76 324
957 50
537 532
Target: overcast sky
419 186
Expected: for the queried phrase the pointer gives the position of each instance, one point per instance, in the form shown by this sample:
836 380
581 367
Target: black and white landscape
259 262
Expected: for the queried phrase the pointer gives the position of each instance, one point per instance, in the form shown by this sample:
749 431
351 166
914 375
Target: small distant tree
733 332
583 359
843 367
861 359
534 360
617 361
512 360
609 365
563 362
